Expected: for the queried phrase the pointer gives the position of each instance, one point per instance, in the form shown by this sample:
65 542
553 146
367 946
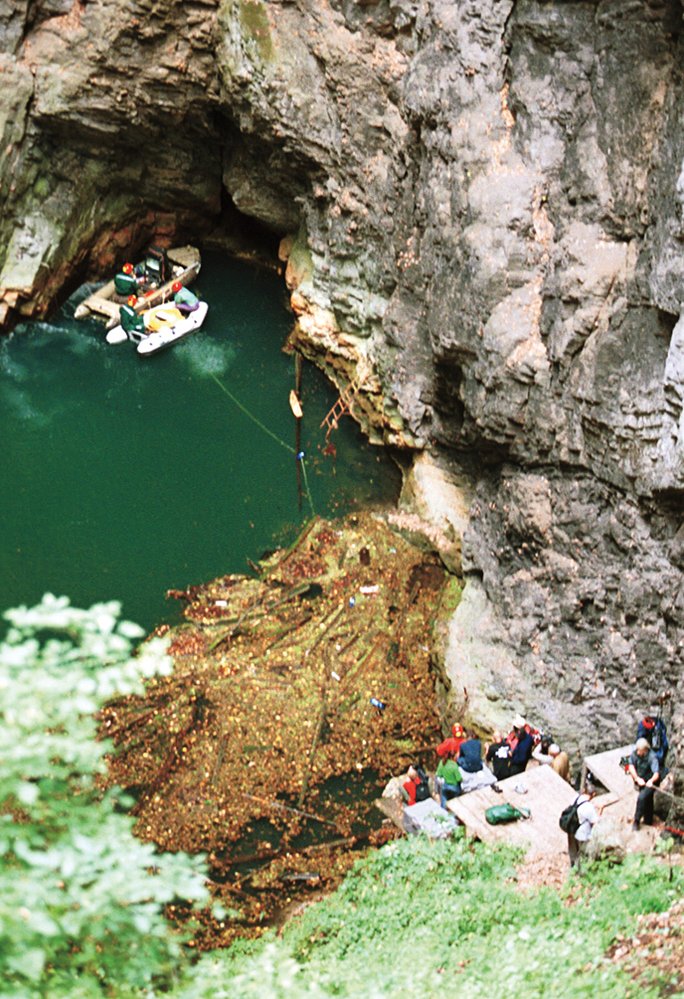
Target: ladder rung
341 406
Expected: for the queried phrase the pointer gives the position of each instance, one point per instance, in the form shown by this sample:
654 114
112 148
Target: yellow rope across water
298 454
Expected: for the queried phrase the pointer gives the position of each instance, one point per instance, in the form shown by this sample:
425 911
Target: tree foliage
81 899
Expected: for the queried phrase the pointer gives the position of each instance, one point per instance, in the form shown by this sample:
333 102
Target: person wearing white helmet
524 744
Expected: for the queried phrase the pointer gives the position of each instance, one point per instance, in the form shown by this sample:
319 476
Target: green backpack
498 814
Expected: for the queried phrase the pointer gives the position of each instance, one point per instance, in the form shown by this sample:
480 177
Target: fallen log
260 610
254 858
288 808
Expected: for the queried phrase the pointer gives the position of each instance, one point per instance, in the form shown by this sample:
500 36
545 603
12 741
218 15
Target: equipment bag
423 788
569 820
498 814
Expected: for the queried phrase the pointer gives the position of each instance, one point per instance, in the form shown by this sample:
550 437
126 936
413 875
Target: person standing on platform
644 769
499 756
560 761
587 817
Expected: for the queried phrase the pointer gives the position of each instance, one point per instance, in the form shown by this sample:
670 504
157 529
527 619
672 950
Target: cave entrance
126 477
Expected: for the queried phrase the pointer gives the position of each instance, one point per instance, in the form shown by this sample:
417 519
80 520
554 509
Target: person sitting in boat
137 271
184 300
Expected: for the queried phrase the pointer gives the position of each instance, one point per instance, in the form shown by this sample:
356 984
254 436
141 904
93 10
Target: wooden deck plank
547 795
607 770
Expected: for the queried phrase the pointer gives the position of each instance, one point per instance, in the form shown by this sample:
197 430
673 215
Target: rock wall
481 206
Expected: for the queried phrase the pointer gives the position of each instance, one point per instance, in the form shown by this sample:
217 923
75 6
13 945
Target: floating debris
268 736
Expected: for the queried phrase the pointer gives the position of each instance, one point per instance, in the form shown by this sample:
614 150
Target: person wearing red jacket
416 788
452 745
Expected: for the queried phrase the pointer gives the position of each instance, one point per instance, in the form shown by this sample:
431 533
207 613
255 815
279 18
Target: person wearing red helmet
184 299
453 743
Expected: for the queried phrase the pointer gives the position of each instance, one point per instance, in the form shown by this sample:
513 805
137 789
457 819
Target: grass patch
426 917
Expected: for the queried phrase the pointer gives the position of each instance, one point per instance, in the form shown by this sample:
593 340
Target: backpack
498 814
569 820
423 788
659 741
654 731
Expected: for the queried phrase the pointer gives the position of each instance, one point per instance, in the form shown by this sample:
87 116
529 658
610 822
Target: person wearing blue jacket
653 729
523 744
470 755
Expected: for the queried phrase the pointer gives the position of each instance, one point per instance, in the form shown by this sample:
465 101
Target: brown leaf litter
263 747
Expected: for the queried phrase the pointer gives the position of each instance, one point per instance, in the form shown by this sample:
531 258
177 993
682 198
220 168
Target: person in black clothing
499 756
644 770
522 750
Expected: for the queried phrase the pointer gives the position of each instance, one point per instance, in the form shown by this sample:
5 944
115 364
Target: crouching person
417 787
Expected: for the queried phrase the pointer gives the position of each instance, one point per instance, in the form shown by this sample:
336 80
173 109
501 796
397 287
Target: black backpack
569 820
423 788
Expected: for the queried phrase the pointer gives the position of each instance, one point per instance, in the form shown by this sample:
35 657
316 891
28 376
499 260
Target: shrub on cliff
81 900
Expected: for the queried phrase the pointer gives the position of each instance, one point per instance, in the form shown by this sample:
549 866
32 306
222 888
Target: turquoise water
123 476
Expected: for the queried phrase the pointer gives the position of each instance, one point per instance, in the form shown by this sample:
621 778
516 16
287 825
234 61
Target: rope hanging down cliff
299 455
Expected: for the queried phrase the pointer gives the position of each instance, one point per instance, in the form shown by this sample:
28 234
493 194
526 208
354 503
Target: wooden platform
547 796
607 771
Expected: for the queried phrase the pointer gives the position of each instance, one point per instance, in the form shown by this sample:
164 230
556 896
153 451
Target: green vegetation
423 918
81 900
255 25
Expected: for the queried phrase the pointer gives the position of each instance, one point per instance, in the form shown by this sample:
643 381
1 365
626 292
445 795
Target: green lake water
124 476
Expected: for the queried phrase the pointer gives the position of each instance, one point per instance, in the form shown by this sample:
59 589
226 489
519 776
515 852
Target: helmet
176 286
127 268
132 300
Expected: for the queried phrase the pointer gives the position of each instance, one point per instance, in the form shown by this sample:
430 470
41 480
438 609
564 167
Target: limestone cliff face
481 205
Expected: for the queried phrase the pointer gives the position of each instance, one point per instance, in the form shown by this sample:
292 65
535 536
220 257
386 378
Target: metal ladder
342 406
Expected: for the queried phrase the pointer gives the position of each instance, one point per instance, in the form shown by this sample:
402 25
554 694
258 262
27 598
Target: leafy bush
424 918
81 900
